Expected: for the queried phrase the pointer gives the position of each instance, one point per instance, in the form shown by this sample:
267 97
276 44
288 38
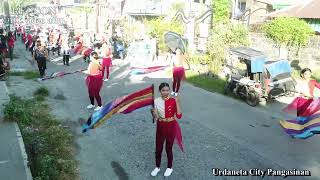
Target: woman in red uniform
106 63
305 105
11 41
94 81
166 110
178 72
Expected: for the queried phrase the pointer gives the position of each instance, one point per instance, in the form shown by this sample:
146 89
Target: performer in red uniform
166 111
305 88
178 72
11 41
29 41
106 62
94 81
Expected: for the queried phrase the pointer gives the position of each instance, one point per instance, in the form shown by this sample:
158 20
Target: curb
21 144
23 152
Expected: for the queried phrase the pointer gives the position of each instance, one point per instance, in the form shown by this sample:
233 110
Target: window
242 6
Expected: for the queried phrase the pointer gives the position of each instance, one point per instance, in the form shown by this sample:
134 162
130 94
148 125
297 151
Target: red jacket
11 42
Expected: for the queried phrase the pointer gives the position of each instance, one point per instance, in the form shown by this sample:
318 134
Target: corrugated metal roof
307 10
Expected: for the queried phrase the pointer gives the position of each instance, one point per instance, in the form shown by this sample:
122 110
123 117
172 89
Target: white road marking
74 58
57 59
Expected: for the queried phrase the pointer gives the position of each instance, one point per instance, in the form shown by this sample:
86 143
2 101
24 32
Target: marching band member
305 87
165 111
94 81
106 62
178 72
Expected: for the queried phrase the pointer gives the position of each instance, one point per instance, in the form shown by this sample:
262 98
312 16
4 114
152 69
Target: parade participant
66 54
11 41
4 67
305 87
106 63
3 43
29 41
94 81
24 38
178 72
40 55
166 110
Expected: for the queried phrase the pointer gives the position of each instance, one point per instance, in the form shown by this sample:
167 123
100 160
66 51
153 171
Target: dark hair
304 70
94 53
162 85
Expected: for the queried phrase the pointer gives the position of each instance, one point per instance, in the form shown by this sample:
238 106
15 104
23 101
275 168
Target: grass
26 74
42 91
205 82
49 145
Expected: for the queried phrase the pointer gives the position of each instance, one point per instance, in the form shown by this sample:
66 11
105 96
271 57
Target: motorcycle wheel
252 98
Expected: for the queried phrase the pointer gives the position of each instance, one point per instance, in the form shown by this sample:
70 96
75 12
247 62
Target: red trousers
178 76
94 83
166 132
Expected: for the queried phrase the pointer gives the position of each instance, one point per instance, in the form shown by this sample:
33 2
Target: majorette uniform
168 128
94 82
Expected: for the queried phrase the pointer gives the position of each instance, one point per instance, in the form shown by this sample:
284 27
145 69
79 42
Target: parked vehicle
251 77
119 49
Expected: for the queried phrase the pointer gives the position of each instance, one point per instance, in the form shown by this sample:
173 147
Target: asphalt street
218 131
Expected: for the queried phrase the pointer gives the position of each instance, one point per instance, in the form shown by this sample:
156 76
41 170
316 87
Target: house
254 11
307 10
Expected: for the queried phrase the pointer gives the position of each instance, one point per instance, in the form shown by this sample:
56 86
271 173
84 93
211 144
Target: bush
221 10
48 144
290 32
223 37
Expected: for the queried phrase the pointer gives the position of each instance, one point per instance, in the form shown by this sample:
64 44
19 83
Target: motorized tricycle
253 78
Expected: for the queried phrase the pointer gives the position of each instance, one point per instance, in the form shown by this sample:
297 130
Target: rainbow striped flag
124 105
137 70
307 123
302 129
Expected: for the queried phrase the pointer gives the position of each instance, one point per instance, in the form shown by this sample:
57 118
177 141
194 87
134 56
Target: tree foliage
291 32
221 10
158 27
224 37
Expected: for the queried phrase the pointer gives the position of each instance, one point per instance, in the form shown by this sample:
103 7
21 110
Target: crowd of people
42 43
7 41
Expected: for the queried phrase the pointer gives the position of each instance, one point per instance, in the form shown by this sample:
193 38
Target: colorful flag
60 74
136 70
124 105
307 122
302 129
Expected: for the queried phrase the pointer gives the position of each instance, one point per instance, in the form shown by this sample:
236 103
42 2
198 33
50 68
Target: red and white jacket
166 108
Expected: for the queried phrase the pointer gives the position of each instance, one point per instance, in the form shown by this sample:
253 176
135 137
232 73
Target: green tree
224 37
289 32
158 27
221 9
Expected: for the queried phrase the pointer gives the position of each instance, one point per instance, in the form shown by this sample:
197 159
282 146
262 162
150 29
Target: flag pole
153 101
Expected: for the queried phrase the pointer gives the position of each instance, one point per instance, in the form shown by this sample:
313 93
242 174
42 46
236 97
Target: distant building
255 11
307 10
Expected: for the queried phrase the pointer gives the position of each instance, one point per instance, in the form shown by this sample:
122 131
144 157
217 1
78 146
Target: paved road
219 132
